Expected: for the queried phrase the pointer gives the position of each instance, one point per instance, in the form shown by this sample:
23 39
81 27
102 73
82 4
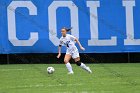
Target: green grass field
33 78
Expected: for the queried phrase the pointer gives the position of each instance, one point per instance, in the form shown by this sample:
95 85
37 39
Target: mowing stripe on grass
40 85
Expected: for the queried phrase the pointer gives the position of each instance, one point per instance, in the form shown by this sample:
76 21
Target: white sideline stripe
40 85
12 69
103 91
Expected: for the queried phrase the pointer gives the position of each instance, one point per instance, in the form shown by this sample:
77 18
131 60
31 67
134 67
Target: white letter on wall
130 24
12 25
53 21
94 27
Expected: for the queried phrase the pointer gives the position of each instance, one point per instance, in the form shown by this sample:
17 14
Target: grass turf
106 78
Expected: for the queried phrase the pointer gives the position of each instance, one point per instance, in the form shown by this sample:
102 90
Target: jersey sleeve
72 37
60 42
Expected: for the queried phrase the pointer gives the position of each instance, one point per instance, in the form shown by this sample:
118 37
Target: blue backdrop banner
102 26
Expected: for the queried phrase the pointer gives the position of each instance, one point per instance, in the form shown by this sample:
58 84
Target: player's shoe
89 70
70 73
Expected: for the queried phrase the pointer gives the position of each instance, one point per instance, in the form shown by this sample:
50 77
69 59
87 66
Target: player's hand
82 48
58 56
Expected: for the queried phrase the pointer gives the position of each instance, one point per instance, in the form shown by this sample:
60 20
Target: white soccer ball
50 70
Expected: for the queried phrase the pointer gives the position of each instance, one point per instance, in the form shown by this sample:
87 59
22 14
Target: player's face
63 32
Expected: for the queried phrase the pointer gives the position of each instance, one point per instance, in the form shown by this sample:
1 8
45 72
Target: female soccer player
72 51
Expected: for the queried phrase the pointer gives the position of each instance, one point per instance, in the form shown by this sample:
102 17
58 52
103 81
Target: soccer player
72 51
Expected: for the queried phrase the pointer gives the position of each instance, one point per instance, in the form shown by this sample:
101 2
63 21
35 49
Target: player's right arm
59 49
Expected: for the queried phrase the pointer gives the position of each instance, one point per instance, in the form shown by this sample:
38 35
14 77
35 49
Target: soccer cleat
69 73
89 70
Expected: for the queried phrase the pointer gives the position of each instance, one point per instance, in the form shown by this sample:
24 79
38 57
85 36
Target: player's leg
67 63
76 58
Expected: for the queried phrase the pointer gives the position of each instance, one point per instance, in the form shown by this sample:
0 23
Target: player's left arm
77 41
81 47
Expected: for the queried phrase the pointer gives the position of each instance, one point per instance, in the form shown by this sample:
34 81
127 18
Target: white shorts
73 52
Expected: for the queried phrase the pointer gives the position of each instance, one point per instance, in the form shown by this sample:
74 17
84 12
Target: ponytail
67 29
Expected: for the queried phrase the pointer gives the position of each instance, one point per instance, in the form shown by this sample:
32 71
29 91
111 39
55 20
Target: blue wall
94 23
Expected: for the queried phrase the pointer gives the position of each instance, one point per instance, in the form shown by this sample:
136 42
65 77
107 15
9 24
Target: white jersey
69 42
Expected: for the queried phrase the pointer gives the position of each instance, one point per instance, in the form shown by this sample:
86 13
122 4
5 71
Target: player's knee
78 63
65 61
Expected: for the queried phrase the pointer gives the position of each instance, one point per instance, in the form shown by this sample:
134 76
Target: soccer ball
50 70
